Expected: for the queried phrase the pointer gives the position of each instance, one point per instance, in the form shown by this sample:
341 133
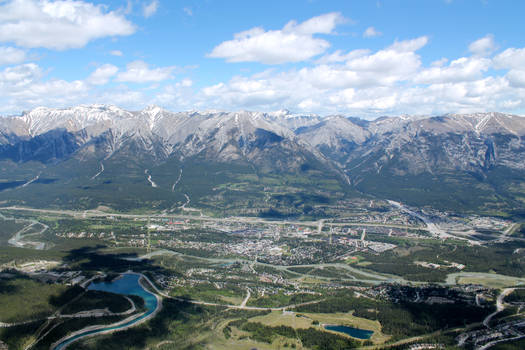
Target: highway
232 219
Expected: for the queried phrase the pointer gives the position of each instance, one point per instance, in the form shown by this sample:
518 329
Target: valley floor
238 282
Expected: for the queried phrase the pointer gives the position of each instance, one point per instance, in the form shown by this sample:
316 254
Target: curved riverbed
126 284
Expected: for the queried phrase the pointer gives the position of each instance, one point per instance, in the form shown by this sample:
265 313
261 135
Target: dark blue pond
127 284
351 331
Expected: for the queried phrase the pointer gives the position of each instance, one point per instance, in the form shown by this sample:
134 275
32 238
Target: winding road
19 239
248 295
500 306
375 278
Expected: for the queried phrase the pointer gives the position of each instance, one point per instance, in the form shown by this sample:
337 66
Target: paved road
248 295
500 306
232 219
229 306
375 278
19 239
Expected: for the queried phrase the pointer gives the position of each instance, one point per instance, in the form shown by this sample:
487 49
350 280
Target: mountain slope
254 162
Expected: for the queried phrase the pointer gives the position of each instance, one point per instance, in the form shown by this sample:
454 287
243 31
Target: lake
351 331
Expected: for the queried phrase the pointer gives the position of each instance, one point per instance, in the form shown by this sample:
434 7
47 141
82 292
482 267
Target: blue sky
353 57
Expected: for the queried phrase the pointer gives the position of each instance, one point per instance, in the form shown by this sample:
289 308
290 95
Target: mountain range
87 156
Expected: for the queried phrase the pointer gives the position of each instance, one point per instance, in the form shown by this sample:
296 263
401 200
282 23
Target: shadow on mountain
49 147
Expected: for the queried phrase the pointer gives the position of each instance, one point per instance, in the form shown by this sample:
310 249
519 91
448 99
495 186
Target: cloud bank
58 25
295 42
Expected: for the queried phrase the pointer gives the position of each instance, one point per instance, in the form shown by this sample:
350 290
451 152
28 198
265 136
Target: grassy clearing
232 300
307 320
208 292
239 340
234 343
491 281
281 299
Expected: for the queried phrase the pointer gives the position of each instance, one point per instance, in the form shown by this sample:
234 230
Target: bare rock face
354 149
455 141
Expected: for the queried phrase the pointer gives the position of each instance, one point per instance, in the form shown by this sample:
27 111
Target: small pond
351 331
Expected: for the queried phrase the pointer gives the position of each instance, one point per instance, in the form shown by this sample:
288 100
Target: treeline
401 319
518 296
281 299
310 338
93 300
496 257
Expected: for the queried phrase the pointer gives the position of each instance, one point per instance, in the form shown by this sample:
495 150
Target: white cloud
516 78
186 82
150 9
339 56
315 86
511 58
293 43
177 96
140 72
366 83
58 24
483 46
388 81
123 96
102 74
439 63
20 75
116 53
23 87
11 55
462 69
188 11
387 64
371 32
514 60
409 45
26 86
323 24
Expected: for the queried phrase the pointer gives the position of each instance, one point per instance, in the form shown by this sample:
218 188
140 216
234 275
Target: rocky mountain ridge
364 154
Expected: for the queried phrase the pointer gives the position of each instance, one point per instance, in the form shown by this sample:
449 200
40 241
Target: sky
364 58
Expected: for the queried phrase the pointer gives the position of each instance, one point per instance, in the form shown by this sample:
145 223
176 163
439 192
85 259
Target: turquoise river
127 284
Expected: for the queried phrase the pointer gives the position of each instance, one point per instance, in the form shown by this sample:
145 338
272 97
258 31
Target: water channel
126 284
